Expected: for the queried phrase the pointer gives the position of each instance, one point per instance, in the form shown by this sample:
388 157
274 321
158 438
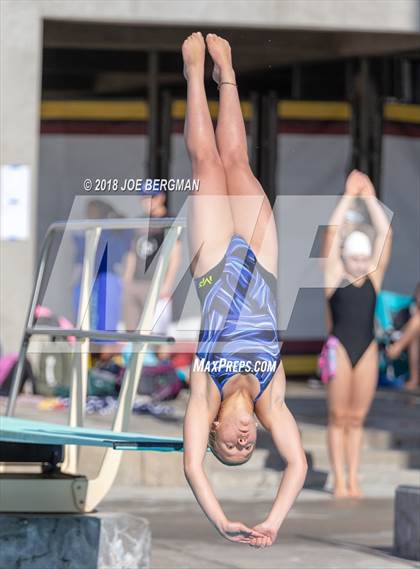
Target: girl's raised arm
382 224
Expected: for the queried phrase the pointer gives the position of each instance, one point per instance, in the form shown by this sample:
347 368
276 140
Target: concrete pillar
407 522
20 64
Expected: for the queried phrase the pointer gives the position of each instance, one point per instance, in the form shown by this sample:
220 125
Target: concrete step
373 438
152 469
372 481
244 479
389 459
264 467
318 459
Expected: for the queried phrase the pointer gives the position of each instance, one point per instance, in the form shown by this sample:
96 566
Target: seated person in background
410 341
139 268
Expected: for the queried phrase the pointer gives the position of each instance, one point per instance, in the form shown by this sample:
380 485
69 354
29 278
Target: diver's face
235 436
357 265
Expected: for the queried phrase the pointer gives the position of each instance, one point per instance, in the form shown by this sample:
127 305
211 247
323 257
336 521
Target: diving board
17 430
65 489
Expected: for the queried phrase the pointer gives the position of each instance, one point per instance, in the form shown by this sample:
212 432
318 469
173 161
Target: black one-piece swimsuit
353 313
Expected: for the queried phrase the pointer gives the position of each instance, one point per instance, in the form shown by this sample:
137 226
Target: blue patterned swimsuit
239 318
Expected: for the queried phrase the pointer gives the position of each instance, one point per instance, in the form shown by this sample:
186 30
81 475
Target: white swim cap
357 243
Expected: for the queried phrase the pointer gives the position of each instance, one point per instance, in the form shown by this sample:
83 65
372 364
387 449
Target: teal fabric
388 303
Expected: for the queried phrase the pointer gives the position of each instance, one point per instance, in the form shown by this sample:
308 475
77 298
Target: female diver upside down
233 245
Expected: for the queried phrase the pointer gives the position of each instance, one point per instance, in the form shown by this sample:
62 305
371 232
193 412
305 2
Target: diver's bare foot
411 384
354 490
221 55
193 54
340 490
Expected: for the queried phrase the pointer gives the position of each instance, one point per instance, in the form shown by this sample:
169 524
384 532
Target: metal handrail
74 225
120 223
101 334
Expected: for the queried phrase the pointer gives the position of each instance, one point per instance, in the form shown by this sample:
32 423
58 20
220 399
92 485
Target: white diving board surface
13 429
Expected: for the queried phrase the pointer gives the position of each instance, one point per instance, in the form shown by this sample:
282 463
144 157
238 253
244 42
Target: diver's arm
382 224
331 244
379 219
174 262
129 266
411 332
196 432
284 431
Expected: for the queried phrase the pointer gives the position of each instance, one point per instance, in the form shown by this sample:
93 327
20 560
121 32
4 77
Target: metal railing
98 487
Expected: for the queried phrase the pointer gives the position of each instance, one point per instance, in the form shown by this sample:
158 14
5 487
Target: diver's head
233 435
357 254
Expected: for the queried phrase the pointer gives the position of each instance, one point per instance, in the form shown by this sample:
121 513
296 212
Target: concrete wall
400 183
381 15
21 52
20 64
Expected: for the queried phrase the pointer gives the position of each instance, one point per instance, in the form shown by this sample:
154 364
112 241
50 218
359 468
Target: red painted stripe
178 126
301 347
284 127
312 127
93 127
409 130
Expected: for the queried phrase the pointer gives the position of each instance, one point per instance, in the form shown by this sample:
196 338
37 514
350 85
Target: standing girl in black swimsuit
354 270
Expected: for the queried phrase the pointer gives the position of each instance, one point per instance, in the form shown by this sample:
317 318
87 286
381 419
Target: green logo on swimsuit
205 281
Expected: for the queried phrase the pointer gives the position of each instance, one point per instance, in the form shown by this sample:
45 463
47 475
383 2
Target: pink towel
327 361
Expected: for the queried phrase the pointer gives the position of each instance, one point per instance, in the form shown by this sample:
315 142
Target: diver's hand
269 535
238 532
393 351
355 183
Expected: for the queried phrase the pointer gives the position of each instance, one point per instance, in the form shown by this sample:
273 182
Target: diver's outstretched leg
364 381
251 210
339 396
210 219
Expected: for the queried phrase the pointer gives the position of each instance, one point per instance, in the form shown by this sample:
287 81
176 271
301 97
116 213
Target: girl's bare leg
413 360
338 400
411 341
210 219
251 211
364 381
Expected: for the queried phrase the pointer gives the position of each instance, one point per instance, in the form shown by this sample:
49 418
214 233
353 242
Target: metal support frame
254 130
165 134
364 116
91 492
366 127
153 130
268 150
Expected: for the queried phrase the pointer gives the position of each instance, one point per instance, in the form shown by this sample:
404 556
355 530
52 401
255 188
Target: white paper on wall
14 202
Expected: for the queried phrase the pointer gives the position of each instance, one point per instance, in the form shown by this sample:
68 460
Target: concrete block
407 522
162 469
58 541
